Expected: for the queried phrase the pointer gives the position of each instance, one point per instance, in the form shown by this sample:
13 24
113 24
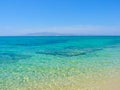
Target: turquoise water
57 61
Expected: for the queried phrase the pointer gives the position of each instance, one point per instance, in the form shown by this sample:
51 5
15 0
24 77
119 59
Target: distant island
48 34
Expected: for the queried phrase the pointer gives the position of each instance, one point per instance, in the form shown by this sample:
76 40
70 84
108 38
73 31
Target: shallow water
58 63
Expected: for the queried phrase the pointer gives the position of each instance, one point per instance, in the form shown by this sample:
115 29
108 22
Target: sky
83 17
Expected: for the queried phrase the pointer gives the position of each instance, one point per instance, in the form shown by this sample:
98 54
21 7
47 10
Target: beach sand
75 84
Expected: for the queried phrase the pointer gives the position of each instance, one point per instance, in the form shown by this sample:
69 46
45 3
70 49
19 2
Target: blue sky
84 17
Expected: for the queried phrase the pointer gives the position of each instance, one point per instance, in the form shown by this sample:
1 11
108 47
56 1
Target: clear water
58 63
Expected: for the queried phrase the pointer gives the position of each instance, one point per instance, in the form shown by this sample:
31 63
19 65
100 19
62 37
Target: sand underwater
60 63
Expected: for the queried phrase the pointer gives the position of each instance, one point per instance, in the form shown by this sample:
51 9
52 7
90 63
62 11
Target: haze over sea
60 63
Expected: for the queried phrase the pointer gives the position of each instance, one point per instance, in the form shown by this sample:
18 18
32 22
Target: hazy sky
85 17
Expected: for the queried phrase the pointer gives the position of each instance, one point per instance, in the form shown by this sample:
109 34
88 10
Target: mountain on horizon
47 34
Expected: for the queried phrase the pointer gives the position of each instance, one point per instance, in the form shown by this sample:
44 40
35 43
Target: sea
59 62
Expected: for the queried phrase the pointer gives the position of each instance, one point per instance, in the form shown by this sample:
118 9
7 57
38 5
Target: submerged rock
12 57
68 52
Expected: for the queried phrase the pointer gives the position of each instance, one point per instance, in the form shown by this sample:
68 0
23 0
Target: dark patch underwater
12 57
